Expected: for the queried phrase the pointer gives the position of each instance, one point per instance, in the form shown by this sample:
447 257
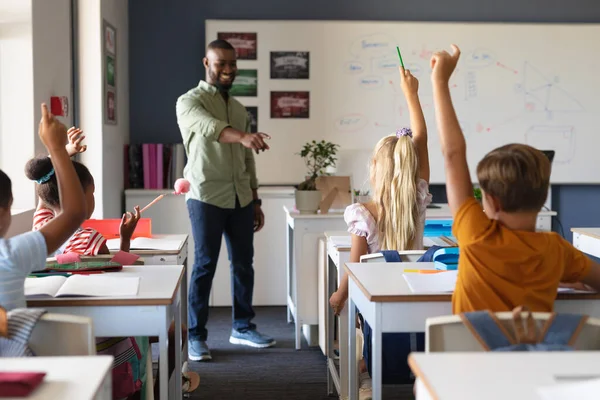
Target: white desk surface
67 378
592 232
383 282
432 213
158 286
341 243
499 376
295 214
330 234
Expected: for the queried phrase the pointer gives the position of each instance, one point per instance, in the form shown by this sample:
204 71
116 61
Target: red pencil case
19 384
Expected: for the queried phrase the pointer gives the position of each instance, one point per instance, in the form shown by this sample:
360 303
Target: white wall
90 91
35 64
51 31
115 12
105 142
17 128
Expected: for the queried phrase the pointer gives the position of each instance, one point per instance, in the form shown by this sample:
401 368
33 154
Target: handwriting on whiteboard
351 122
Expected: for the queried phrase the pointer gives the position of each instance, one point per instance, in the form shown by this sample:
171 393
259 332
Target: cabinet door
269 260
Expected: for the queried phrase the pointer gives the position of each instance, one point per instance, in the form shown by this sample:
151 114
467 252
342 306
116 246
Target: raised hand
75 137
443 64
408 82
51 131
128 223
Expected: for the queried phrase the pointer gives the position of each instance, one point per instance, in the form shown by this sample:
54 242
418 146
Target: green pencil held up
400 57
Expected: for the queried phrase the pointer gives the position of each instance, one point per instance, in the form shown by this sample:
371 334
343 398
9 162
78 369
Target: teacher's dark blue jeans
209 224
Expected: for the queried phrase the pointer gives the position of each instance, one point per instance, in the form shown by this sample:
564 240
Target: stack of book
153 165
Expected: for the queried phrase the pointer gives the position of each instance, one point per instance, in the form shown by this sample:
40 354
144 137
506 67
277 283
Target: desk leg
184 305
163 355
376 346
330 321
344 319
352 362
177 340
289 260
297 261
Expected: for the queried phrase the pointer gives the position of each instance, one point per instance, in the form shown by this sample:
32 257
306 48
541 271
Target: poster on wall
289 64
109 69
253 114
111 112
244 44
290 104
245 83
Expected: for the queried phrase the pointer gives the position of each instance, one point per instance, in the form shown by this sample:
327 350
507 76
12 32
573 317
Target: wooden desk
384 299
497 376
587 240
149 313
67 378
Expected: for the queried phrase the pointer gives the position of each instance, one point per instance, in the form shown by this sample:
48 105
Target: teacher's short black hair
220 44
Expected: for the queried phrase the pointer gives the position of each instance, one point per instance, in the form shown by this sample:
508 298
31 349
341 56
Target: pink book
160 184
153 166
146 162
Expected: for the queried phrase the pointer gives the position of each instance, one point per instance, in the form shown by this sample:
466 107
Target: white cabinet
170 216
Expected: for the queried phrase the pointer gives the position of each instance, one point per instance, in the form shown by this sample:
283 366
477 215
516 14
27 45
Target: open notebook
442 282
143 243
82 285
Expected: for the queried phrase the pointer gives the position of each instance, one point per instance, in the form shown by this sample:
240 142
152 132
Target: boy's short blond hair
517 175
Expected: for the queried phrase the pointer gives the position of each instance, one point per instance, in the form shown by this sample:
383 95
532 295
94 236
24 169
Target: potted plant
318 156
477 194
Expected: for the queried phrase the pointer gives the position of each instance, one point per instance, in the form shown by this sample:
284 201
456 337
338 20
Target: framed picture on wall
289 64
253 114
109 72
110 45
245 44
290 104
245 83
111 107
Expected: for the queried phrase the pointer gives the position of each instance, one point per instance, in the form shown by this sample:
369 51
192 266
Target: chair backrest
63 335
405 255
448 333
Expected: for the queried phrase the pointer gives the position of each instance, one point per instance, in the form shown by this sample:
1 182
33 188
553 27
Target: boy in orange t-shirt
504 262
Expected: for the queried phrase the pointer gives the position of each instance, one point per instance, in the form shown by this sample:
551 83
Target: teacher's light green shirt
217 171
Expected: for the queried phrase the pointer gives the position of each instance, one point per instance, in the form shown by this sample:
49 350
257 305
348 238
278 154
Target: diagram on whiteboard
544 94
371 62
561 139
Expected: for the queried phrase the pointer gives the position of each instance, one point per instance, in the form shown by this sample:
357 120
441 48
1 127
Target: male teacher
222 197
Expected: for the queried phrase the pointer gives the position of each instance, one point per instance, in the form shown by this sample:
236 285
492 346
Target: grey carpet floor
281 372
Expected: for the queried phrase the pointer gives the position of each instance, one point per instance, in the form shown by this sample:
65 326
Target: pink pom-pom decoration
182 186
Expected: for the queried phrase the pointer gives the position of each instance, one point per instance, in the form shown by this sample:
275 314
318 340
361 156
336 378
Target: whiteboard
528 83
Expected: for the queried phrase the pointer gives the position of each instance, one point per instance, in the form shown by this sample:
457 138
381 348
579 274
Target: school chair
63 335
448 333
405 255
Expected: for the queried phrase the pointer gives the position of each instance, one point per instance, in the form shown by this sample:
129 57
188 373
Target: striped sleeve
85 241
41 217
